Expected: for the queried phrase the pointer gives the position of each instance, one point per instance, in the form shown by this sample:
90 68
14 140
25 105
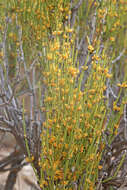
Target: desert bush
63 84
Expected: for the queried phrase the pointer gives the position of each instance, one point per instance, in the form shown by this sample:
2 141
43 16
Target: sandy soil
26 179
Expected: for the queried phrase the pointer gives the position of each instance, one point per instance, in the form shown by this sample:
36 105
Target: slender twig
75 7
119 57
23 58
12 95
74 11
5 129
125 120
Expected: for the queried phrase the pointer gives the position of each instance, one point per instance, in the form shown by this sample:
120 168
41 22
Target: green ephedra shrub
74 53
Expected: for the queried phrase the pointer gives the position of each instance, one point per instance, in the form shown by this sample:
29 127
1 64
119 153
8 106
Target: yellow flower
90 48
65 36
55 164
92 157
30 159
99 69
85 68
79 108
89 105
27 159
85 135
95 57
69 30
59 32
49 56
112 39
100 167
52 139
50 152
56 46
48 99
123 85
58 174
108 75
1 54
43 183
62 82
106 70
73 71
88 180
116 126
115 107
114 1
82 148
11 35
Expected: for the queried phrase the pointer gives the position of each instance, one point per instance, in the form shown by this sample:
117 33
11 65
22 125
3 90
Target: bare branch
74 12
23 58
119 57
5 129
13 93
77 5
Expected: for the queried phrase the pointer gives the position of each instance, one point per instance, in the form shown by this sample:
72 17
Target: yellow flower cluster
75 118
123 85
